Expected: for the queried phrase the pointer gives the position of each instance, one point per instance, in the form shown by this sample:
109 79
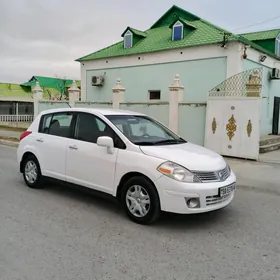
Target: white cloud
39 37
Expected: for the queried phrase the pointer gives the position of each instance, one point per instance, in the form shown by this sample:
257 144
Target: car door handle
73 147
40 140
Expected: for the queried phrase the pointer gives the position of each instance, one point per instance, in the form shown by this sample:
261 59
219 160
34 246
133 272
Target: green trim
259 63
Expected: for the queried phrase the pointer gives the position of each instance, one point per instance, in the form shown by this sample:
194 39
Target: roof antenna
225 39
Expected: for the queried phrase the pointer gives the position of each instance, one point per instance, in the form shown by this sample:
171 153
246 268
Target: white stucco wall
233 53
254 55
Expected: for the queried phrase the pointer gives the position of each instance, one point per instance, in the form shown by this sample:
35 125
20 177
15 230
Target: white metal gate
233 116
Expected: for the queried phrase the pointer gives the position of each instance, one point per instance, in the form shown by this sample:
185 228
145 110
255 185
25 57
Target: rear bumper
174 195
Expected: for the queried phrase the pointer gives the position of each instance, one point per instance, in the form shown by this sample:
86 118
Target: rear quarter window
57 124
45 123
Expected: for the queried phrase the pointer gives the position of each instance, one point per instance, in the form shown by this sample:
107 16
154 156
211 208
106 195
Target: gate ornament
247 83
249 128
254 85
214 125
231 127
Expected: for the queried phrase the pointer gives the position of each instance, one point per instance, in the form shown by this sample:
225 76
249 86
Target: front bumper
174 195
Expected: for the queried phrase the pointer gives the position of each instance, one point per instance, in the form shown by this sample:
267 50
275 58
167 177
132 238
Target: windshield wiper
144 143
171 141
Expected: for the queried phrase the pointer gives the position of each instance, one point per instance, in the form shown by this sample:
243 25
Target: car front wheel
140 200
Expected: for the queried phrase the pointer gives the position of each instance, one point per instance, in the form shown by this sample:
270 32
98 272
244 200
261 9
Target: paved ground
271 157
59 233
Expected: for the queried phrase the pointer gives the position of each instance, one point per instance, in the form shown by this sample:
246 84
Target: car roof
102 111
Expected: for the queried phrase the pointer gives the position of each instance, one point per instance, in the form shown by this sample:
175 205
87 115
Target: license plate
226 190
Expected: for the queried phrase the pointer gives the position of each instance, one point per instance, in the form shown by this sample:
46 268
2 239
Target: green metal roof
262 35
159 37
48 82
135 31
186 23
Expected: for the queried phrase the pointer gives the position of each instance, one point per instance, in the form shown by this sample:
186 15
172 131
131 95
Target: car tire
140 200
32 172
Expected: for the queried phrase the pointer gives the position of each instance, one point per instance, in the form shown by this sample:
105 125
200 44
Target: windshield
143 130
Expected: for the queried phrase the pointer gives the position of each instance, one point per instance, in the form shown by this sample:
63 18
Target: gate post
118 94
175 96
254 85
74 94
37 96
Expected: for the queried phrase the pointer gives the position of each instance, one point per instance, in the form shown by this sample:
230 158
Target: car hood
189 155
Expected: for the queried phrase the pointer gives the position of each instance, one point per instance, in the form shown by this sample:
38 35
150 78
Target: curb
9 143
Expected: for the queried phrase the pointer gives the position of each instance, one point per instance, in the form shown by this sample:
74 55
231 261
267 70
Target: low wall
191 114
24 125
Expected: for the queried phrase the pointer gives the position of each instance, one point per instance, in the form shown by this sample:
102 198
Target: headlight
177 172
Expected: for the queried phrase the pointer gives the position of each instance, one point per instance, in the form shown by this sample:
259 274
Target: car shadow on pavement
109 205
197 221
82 195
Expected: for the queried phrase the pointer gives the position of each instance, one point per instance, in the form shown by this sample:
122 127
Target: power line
258 23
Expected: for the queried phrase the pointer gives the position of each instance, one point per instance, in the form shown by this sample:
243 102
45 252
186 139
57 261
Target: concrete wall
46 105
231 54
198 77
192 122
23 125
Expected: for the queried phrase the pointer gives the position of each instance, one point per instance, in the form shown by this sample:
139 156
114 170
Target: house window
154 94
128 39
277 45
177 33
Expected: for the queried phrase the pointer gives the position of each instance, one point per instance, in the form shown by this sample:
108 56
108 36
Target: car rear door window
59 124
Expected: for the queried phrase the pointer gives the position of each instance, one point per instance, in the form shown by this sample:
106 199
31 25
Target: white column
234 59
175 96
118 94
17 119
37 96
74 94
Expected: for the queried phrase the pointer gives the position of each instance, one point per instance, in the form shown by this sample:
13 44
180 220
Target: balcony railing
17 118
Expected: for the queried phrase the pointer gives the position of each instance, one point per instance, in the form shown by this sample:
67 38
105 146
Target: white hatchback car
128 155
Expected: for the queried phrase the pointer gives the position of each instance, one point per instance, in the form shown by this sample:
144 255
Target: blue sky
39 37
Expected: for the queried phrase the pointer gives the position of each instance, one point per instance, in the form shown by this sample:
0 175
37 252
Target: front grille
213 176
215 199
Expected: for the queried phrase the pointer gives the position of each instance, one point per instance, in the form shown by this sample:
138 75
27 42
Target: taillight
24 134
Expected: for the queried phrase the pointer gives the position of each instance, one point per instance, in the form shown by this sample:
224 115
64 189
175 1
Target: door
275 120
233 127
51 143
87 163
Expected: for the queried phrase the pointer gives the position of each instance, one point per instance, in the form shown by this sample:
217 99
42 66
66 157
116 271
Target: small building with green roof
179 42
19 96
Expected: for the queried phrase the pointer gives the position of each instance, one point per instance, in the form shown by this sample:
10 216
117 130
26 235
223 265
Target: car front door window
89 128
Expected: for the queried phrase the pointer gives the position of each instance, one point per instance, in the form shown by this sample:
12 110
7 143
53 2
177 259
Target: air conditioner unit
275 73
97 81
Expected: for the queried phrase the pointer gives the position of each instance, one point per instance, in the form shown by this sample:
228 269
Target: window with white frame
177 31
277 45
128 39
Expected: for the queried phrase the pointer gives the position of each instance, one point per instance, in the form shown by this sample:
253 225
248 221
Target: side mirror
107 142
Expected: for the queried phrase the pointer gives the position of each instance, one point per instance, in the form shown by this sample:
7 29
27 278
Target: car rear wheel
32 172
140 200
